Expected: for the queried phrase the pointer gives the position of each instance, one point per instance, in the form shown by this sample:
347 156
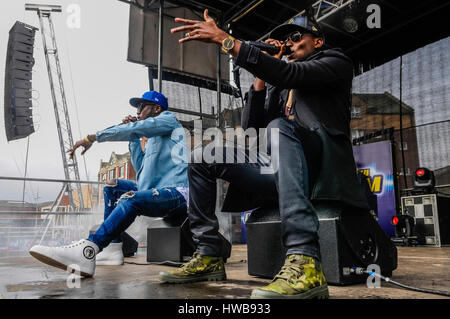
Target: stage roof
406 25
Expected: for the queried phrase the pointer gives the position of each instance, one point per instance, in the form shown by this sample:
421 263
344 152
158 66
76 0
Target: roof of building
16 204
383 103
114 158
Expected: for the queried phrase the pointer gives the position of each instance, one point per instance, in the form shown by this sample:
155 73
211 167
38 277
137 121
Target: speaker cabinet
431 218
170 239
347 238
17 95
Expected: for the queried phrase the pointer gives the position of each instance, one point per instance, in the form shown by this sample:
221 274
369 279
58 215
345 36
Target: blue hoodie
164 161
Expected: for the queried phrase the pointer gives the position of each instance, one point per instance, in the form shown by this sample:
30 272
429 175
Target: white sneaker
112 255
78 257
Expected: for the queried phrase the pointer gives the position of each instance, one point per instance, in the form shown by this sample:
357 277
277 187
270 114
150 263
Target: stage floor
25 277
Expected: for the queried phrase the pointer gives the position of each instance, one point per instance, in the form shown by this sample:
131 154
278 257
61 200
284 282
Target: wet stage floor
25 277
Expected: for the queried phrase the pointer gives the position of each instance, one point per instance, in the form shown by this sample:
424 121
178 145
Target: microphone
269 48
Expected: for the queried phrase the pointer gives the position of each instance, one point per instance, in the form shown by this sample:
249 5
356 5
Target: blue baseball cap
151 96
302 24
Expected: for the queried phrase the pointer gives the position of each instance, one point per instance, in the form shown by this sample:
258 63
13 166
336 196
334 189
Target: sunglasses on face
142 105
294 37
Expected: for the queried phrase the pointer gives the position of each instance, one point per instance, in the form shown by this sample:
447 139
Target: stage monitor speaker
19 63
170 239
347 237
129 244
199 60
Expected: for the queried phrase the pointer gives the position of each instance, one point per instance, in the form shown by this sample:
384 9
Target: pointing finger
186 21
206 15
182 28
187 39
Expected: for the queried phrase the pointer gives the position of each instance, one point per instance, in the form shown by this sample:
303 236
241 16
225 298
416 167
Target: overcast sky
94 57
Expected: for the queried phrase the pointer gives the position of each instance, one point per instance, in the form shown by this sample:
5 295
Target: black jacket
321 102
322 88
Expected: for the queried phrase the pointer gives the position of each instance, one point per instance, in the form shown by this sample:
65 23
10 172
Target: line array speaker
19 64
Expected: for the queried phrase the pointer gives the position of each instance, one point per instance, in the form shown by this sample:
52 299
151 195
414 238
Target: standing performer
161 189
307 98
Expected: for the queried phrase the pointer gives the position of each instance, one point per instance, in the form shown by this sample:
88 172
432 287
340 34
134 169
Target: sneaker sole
52 262
320 292
214 276
108 263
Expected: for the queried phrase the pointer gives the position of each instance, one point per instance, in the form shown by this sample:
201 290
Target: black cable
428 291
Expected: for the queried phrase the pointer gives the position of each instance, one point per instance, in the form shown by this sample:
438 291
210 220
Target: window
112 174
357 134
121 172
356 112
104 177
404 148
407 171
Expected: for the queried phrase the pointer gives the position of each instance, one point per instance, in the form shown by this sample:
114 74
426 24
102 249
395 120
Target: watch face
228 43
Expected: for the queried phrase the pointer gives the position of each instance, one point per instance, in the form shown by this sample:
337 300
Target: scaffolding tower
71 171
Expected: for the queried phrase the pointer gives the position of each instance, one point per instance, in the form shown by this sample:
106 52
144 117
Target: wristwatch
228 44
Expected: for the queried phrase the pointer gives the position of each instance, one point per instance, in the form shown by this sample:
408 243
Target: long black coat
321 102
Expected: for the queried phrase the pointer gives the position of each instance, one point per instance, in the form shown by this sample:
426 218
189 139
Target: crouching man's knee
112 182
127 199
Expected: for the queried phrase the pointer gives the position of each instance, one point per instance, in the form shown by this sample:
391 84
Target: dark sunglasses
141 106
294 37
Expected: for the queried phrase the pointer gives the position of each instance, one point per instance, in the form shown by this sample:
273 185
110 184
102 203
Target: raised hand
205 31
85 143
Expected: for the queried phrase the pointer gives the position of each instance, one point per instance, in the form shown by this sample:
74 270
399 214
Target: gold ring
188 35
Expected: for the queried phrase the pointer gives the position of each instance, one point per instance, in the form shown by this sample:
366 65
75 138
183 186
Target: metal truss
320 10
71 171
323 9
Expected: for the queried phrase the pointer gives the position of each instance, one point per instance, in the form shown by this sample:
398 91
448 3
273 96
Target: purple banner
374 161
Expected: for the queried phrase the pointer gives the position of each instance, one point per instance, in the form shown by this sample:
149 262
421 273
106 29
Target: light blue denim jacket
164 161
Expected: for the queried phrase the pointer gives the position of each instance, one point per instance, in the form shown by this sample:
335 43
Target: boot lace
195 261
74 244
289 272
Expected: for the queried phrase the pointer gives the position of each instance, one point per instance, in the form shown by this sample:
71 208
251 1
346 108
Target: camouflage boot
301 277
199 268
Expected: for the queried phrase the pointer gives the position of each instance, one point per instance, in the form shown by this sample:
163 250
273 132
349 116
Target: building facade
119 166
374 112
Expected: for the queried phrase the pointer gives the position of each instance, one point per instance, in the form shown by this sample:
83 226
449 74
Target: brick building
119 166
373 112
90 196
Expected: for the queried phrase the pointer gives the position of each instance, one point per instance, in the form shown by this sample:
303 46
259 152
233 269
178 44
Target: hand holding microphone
129 119
272 47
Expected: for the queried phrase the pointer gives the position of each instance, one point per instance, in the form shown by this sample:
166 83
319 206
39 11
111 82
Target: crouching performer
307 99
161 189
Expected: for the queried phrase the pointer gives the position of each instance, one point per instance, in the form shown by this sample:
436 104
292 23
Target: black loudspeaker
348 238
170 239
431 214
19 63
129 244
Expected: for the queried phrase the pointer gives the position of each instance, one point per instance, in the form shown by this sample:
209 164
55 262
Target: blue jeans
299 162
300 153
123 203
111 195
